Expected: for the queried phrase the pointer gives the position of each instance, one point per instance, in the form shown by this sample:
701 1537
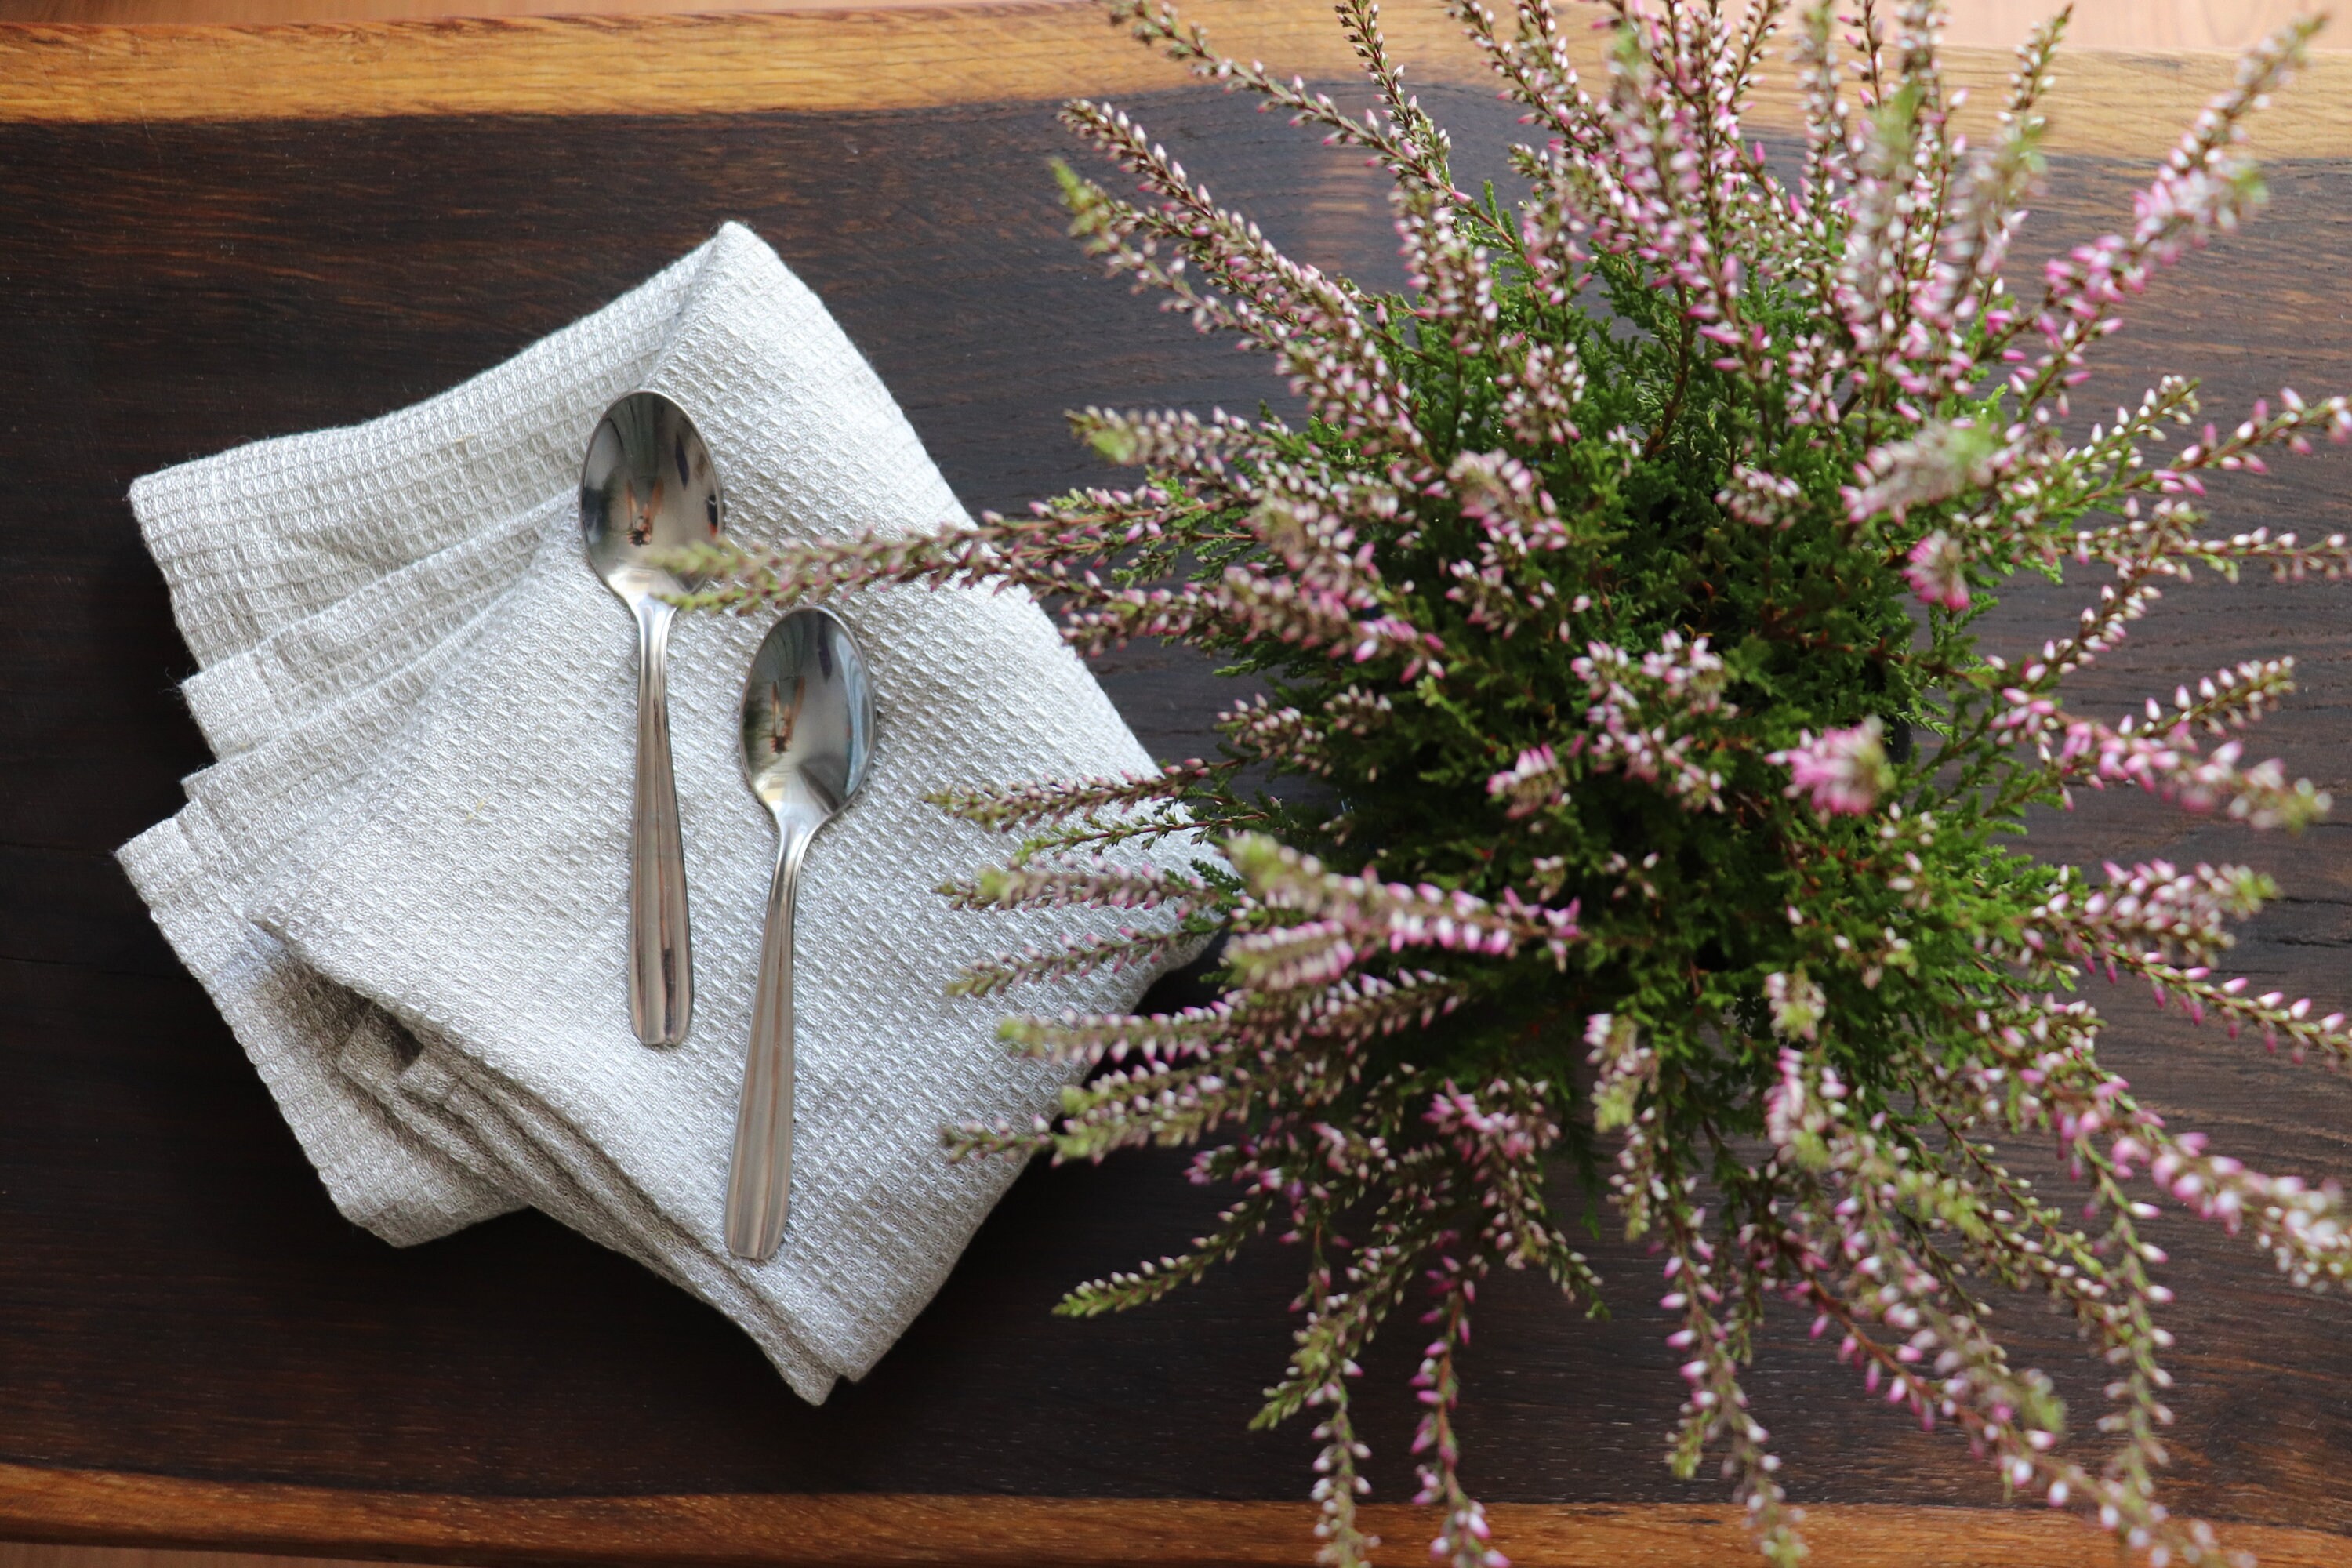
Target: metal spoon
647 487
808 729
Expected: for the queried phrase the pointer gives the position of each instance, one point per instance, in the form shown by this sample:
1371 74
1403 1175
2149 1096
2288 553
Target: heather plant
1620 593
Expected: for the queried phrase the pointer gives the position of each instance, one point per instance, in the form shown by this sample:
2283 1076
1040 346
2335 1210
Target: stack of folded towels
404 883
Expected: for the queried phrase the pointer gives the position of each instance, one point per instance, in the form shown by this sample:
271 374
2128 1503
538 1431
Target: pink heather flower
1761 499
1535 783
1936 572
2169 764
1941 461
1845 770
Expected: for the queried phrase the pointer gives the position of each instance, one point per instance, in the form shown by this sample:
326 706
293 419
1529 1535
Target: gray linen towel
464 879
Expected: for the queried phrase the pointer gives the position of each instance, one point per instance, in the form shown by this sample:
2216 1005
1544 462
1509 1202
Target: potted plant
1621 590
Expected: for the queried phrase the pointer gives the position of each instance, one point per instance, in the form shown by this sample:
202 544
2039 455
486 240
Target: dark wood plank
178 1298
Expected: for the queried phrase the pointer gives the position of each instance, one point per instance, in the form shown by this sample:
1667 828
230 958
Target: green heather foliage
1621 594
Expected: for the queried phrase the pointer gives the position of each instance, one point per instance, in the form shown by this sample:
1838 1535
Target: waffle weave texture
405 882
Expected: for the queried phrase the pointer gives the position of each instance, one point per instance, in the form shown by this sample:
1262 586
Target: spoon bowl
808 728
647 487
808 716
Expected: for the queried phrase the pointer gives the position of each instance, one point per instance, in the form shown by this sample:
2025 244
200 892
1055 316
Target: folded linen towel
480 897
483 898
197 873
267 795
381 540
253 540
196 870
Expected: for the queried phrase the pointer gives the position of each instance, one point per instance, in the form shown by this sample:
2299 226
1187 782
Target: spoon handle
759 1177
661 955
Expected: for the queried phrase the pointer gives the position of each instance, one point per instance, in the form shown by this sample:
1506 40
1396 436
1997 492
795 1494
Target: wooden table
217 235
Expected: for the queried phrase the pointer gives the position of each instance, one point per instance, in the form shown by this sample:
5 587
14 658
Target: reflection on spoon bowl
647 487
808 716
808 729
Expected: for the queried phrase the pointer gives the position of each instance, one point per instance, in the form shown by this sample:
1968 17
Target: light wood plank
37 1554
2124 104
1012 1532
215 12
2130 25
892 1531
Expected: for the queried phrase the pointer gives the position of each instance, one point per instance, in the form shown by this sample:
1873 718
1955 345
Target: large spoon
808 729
647 487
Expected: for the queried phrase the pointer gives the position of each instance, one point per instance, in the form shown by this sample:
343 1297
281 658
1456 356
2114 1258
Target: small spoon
647 487
808 729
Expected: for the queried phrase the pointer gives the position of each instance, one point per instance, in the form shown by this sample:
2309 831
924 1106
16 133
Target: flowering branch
1615 608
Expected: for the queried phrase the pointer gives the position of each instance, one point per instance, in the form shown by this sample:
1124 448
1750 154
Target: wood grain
243 13
49 1555
883 1530
2139 26
2114 103
194 1349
